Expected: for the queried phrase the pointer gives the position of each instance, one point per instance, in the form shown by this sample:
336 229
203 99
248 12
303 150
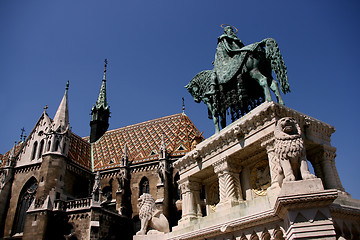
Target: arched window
144 186
56 147
64 147
33 154
48 146
41 148
27 195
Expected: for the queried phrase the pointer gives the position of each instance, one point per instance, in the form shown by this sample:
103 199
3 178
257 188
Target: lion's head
287 128
146 204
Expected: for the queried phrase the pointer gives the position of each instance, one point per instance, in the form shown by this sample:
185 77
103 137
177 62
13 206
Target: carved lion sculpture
150 216
290 151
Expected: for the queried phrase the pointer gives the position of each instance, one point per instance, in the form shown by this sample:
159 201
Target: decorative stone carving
260 178
290 150
96 191
122 179
3 177
162 171
150 216
229 181
213 196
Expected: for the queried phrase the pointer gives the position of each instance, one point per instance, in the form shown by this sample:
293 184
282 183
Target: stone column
191 205
229 183
329 172
273 166
245 179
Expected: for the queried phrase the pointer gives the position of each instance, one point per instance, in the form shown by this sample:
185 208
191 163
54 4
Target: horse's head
194 91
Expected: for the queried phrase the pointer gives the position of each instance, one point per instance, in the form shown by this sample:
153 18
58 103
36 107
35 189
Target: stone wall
22 176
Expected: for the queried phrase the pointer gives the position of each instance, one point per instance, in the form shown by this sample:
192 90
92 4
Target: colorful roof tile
143 141
5 157
80 151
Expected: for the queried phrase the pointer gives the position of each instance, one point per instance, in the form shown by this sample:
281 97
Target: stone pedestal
150 236
301 187
263 156
305 208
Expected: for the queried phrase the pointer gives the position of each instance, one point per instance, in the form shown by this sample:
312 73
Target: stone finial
61 119
125 157
162 150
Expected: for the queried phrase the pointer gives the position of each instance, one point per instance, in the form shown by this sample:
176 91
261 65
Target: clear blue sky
154 48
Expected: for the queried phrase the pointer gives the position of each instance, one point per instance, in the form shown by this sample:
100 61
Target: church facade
57 185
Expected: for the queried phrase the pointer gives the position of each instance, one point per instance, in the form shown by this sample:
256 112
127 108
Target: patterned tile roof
143 141
80 151
4 157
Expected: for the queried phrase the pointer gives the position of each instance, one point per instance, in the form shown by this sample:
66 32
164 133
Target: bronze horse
240 93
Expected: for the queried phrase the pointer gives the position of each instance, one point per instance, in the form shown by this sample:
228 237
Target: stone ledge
301 187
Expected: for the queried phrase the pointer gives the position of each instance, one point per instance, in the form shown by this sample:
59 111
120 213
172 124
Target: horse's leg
223 120
275 88
214 116
216 123
262 80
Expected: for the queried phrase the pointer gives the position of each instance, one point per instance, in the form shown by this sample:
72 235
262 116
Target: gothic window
26 197
56 147
64 147
41 148
33 154
49 144
144 186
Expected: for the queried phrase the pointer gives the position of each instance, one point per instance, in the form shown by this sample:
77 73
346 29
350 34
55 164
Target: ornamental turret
100 113
58 137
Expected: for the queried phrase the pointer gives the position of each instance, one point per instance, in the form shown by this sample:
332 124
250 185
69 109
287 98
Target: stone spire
101 102
61 119
100 113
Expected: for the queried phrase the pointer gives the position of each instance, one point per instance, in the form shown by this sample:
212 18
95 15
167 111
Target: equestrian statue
241 78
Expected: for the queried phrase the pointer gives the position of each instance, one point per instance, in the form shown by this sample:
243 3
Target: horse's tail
277 63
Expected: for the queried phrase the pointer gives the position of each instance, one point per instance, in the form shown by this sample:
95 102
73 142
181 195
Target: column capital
224 164
188 185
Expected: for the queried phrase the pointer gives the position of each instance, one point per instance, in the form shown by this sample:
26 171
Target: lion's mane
288 146
147 206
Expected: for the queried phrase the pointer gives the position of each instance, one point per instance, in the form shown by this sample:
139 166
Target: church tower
100 113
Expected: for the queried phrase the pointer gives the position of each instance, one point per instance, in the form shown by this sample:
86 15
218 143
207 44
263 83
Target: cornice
254 122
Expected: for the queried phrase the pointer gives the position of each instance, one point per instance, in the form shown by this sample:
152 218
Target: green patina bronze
241 78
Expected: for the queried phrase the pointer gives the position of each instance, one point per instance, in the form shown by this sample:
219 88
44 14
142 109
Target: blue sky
154 48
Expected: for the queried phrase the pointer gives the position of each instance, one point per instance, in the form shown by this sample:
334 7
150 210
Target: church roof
5 157
80 151
143 141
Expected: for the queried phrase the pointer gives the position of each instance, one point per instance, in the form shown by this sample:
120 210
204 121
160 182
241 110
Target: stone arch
144 186
26 197
107 193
